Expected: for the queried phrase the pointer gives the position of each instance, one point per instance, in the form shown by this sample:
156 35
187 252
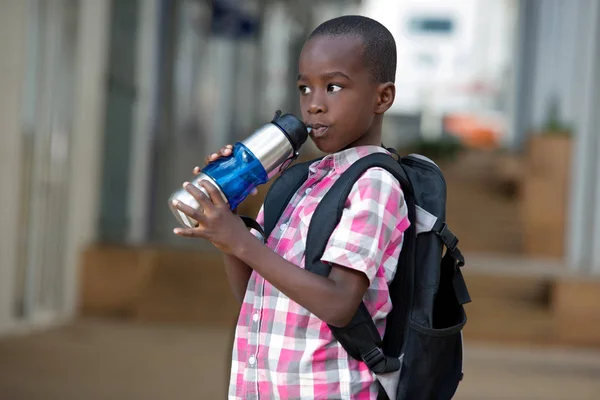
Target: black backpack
423 337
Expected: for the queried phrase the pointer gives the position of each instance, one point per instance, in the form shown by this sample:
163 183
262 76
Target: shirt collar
342 160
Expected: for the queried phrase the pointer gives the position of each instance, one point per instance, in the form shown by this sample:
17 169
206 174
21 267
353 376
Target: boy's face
338 97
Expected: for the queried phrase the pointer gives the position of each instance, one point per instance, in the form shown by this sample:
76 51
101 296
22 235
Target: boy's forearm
238 274
320 295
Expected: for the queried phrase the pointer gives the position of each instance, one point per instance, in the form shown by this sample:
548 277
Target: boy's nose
316 108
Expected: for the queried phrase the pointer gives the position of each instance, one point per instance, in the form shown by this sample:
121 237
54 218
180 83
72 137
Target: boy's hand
216 222
226 151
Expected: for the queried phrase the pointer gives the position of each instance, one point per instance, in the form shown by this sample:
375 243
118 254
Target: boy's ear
386 93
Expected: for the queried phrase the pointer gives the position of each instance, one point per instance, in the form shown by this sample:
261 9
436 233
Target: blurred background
107 105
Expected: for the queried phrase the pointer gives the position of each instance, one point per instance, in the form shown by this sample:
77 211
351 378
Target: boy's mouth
318 130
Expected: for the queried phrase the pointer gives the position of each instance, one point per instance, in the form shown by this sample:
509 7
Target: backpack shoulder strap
360 337
280 193
330 208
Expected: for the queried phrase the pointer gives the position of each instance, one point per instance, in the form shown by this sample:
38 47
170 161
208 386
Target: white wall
432 67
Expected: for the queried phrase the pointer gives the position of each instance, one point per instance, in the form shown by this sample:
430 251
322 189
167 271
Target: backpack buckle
379 363
448 237
373 358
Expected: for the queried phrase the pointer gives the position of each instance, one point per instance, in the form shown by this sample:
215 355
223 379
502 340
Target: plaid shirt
281 350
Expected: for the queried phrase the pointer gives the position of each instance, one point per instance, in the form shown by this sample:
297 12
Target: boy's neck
370 138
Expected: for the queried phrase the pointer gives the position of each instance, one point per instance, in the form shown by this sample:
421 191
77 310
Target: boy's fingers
200 197
210 158
189 211
213 193
226 151
196 170
187 232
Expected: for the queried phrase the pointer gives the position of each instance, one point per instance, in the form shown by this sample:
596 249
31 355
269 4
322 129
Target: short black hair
379 53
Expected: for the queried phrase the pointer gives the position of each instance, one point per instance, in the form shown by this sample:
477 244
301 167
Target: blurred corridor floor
105 360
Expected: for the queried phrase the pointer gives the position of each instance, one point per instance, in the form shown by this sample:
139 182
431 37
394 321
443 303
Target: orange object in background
472 131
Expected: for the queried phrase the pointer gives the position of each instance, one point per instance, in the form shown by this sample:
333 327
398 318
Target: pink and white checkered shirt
281 350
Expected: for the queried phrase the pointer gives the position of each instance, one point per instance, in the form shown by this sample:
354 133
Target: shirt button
255 317
307 191
252 360
283 227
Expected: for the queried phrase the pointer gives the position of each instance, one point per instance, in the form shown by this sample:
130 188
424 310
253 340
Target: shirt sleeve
260 218
374 212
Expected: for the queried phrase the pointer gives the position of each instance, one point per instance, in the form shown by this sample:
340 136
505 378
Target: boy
283 347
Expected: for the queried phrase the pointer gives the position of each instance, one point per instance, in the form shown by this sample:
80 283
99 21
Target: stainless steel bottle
254 161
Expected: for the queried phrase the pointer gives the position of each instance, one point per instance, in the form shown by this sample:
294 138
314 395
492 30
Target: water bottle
254 161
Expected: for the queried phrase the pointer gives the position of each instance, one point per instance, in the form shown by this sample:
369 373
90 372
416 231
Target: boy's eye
334 88
304 89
